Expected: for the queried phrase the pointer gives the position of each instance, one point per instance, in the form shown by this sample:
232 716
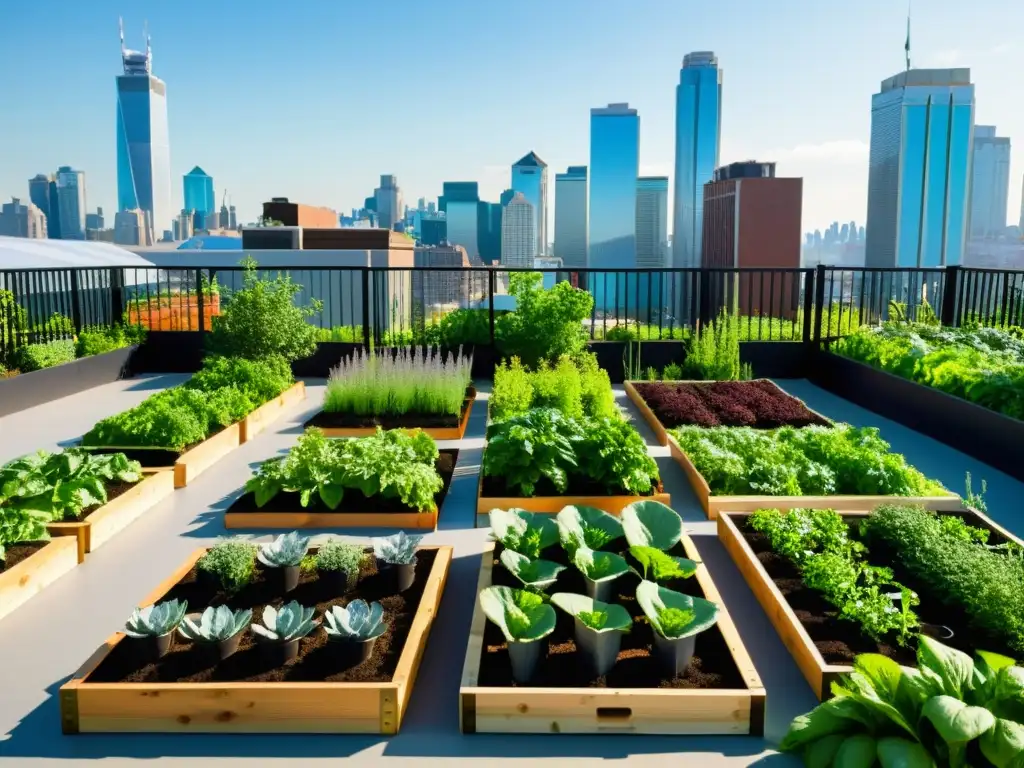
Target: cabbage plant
534 574
651 524
522 616
523 532
674 615
580 526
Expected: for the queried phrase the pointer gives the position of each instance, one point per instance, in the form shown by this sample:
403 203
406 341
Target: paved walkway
44 641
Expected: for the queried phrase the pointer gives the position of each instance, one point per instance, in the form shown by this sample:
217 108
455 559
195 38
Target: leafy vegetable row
575 386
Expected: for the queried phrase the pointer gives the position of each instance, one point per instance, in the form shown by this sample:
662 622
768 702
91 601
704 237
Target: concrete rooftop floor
47 639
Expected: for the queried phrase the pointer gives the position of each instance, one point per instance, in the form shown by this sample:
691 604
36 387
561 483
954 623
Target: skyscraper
198 188
990 185
94 220
488 235
143 144
462 202
71 203
571 216
20 220
39 193
922 126
389 201
131 228
651 222
518 233
530 177
698 138
614 166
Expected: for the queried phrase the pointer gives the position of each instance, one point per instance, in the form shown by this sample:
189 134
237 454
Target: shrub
714 352
576 388
335 555
261 320
258 380
99 340
547 323
36 357
232 563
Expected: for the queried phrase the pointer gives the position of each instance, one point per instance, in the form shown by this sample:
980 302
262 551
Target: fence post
76 302
366 306
200 299
947 313
490 299
704 300
819 303
808 305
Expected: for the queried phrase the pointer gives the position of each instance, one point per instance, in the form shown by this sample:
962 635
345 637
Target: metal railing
401 305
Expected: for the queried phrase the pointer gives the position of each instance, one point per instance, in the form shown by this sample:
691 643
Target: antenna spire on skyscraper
120 29
906 46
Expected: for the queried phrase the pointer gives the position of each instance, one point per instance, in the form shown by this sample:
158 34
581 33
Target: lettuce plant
598 616
659 567
524 532
599 566
674 615
651 524
580 526
522 616
537 574
21 525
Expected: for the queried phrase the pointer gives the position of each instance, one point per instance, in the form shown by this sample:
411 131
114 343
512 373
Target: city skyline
820 133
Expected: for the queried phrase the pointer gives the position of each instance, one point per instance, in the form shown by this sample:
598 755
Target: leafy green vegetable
674 615
258 380
101 339
660 567
21 525
547 323
524 532
522 616
599 566
576 387
47 354
534 574
651 524
580 526
598 616
799 533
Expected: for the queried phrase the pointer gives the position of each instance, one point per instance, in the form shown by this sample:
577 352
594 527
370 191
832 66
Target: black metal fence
392 305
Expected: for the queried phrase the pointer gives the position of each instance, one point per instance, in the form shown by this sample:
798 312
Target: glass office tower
571 216
990 185
614 166
199 197
530 177
143 144
462 203
922 132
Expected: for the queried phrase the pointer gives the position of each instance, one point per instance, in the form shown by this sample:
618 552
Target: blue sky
315 99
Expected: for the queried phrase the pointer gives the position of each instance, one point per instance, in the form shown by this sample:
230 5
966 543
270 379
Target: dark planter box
30 389
612 356
776 359
979 432
169 352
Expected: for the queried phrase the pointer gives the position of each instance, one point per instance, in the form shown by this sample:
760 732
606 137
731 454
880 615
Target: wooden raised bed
638 711
816 671
438 433
713 504
117 514
36 572
270 411
263 707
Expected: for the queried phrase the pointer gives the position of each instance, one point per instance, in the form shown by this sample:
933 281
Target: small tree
547 323
262 320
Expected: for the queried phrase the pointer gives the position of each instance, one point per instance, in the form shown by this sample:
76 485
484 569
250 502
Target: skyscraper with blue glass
143 145
922 134
462 214
530 177
698 138
198 189
614 166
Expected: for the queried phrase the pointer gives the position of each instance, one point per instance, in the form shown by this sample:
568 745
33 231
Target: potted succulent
218 629
676 619
397 554
522 531
355 628
600 571
337 565
282 629
589 527
536 575
598 629
284 555
525 620
151 627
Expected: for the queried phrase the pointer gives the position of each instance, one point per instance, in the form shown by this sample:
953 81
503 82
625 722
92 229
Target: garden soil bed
720 692
286 511
493 493
318 692
823 645
31 567
437 426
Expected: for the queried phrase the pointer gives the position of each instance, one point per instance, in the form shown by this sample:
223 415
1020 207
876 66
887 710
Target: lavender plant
394 383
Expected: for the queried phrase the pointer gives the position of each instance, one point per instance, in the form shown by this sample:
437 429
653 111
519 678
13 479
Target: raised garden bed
720 692
257 421
438 427
33 566
118 692
125 504
491 494
822 645
356 511
760 404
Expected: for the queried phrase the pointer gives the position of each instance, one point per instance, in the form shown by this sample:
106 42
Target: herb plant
576 387
258 380
231 562
102 339
334 555
547 323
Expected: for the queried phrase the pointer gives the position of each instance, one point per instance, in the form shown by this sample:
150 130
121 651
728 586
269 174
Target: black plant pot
599 649
220 650
673 656
525 658
353 652
289 576
403 575
153 647
336 582
278 653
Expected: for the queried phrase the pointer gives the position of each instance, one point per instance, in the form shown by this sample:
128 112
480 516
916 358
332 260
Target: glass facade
198 189
143 150
614 166
990 187
462 215
530 177
571 216
922 129
698 136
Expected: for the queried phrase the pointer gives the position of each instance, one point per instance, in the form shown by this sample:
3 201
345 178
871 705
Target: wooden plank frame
116 515
24 580
197 460
816 671
438 433
634 711
279 707
257 421
420 521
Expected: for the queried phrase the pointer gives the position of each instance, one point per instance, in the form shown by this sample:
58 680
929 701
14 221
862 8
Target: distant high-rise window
990 187
71 203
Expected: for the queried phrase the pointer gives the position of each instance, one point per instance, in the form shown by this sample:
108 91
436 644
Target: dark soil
388 421
712 665
578 486
839 641
354 501
759 404
318 660
15 553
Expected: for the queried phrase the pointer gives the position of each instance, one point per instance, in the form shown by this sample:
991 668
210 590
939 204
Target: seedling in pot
522 531
397 553
677 619
356 627
656 566
219 628
282 629
231 564
589 527
337 564
599 629
284 554
651 524
525 619
151 627
600 571
537 575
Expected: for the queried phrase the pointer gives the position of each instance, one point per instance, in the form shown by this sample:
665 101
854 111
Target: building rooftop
531 160
926 77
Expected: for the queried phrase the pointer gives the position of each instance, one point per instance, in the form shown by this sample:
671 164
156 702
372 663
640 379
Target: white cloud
950 57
